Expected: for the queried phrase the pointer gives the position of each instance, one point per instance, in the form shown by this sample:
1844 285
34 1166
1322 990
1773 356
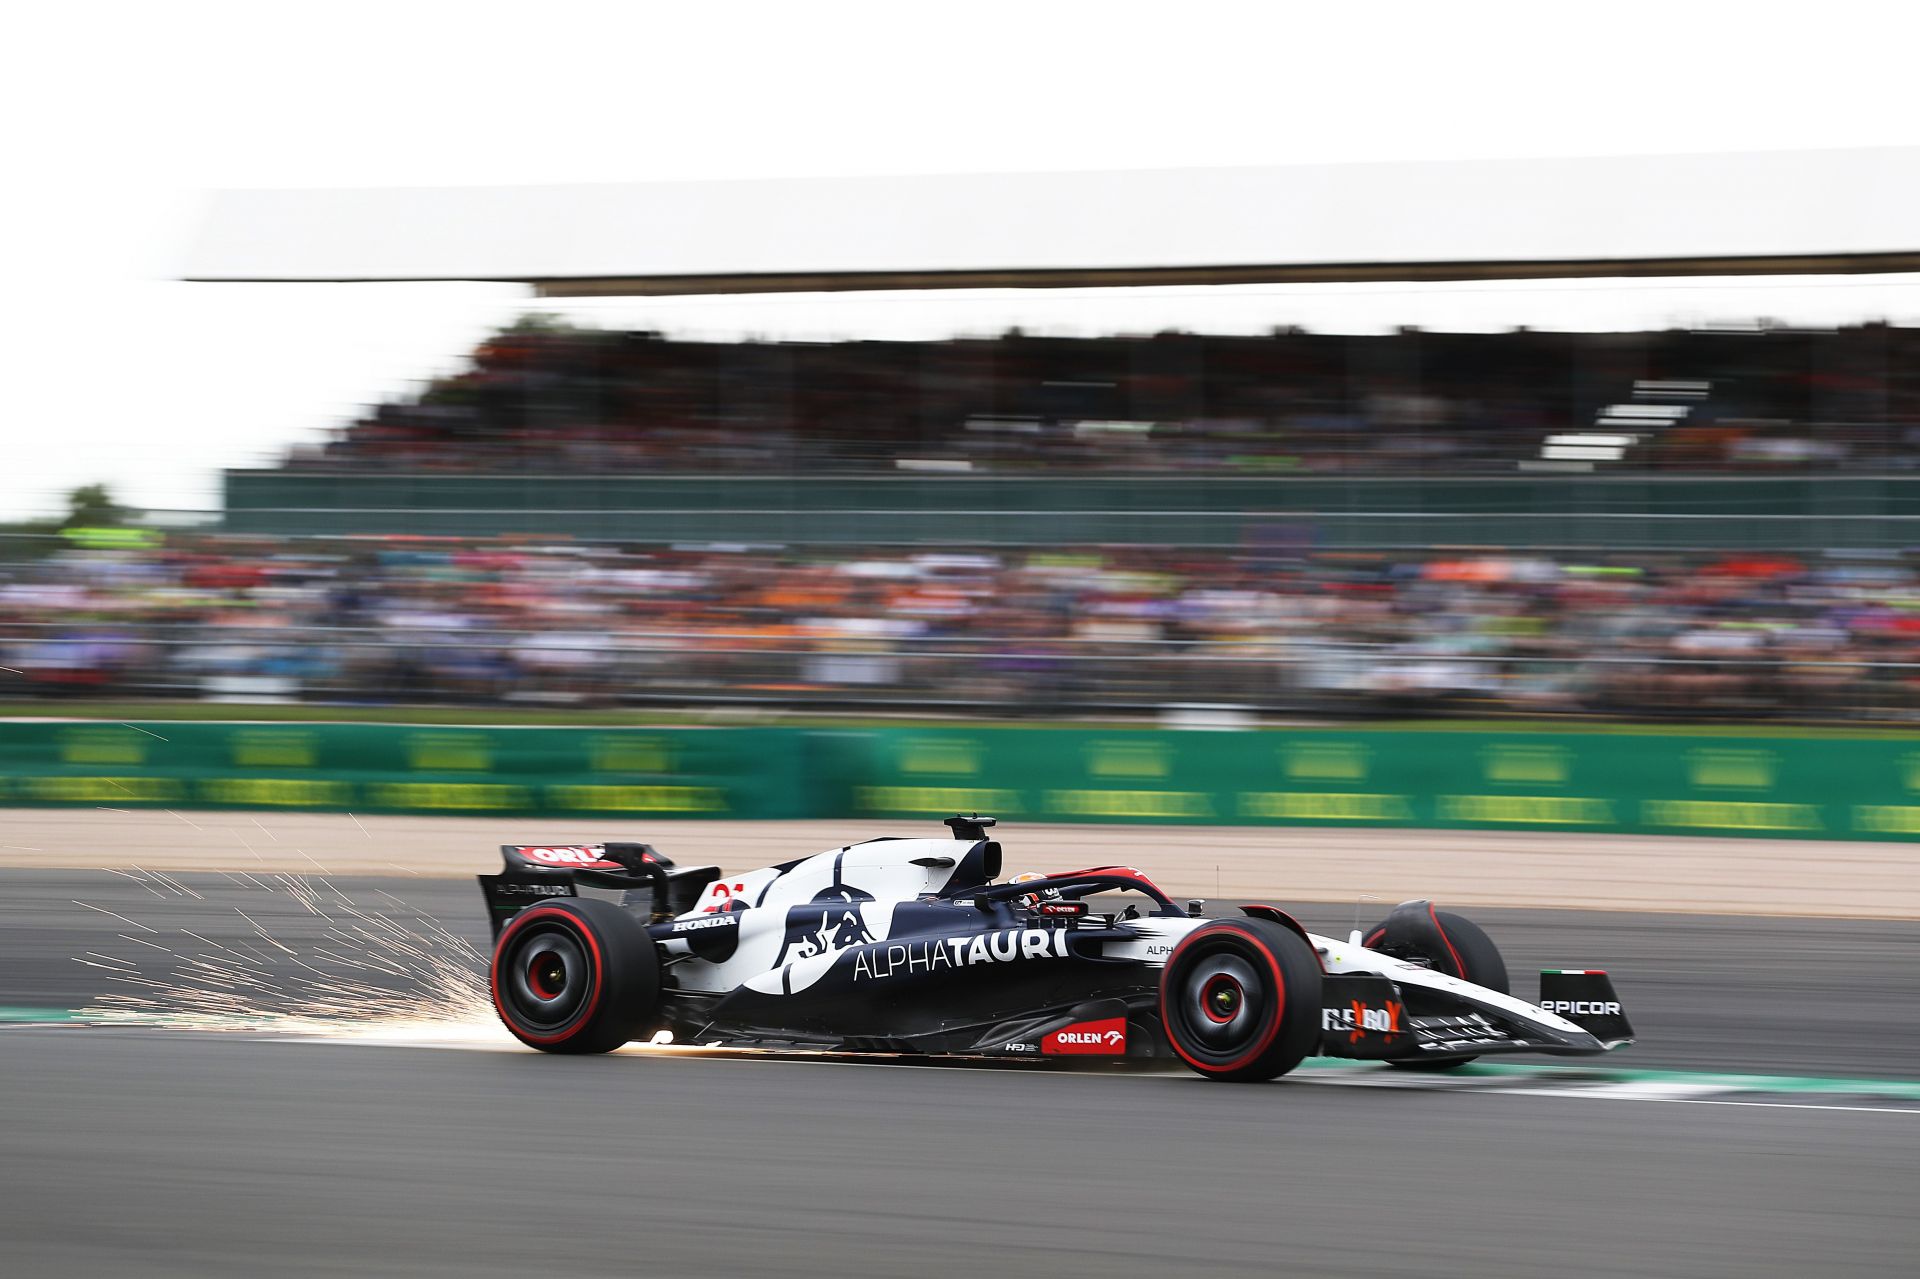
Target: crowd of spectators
1034 632
546 397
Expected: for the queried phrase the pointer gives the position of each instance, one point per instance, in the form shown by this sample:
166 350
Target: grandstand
561 400
1661 439
1603 440
1641 524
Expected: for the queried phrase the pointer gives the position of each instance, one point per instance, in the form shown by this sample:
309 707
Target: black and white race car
908 946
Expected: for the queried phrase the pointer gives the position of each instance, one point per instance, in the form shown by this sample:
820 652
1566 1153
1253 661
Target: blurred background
1707 523
1315 455
1679 491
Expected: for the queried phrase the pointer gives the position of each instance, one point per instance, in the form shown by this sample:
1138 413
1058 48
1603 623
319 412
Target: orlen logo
1583 1007
567 856
1107 1037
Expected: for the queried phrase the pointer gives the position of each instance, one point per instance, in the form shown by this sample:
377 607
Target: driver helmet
1033 899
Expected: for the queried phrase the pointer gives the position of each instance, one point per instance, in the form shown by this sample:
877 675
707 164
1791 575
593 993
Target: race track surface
169 1152
163 1154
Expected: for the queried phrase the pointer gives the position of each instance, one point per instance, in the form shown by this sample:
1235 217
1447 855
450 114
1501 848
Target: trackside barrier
1833 787
380 768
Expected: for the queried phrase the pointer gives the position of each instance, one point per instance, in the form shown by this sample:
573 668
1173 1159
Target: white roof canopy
1761 213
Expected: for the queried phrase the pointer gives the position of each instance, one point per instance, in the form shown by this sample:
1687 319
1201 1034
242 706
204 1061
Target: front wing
1425 1015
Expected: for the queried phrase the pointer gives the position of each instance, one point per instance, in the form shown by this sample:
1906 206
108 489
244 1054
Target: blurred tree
92 506
541 322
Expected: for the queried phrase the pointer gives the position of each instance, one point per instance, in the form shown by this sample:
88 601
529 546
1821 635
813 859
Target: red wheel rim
1222 998
547 974
1203 1042
533 932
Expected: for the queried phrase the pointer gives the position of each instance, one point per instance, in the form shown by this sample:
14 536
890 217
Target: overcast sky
120 117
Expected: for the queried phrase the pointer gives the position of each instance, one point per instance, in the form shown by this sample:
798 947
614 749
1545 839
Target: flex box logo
1359 1019
1107 1037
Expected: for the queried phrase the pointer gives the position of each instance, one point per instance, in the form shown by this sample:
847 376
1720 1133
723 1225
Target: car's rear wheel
1468 953
575 976
1240 999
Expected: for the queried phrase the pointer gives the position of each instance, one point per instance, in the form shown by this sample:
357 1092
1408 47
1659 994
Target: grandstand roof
1762 213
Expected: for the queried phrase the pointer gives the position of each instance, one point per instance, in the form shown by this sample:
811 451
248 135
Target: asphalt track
126 1151
158 1153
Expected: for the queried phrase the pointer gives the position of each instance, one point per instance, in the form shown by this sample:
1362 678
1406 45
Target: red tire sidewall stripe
579 927
1459 967
1279 1007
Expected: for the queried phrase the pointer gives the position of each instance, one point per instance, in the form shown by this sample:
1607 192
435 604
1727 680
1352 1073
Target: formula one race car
908 946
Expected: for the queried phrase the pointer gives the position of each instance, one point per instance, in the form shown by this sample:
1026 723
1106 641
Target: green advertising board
1685 783
401 769
1831 788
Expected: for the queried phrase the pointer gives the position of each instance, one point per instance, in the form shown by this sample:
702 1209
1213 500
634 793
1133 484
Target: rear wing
630 858
537 872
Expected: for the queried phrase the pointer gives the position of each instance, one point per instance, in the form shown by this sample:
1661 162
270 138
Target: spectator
544 397
1028 631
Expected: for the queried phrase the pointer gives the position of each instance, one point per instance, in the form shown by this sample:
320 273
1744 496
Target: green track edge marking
1575 1075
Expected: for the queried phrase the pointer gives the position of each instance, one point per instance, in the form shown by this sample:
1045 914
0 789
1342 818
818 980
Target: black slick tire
1240 999
1469 955
576 975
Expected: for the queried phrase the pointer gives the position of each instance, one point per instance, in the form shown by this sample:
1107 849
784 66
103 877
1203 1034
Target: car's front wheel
577 975
1465 951
1240 999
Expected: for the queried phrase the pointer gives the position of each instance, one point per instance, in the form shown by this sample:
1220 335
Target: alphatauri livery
910 946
